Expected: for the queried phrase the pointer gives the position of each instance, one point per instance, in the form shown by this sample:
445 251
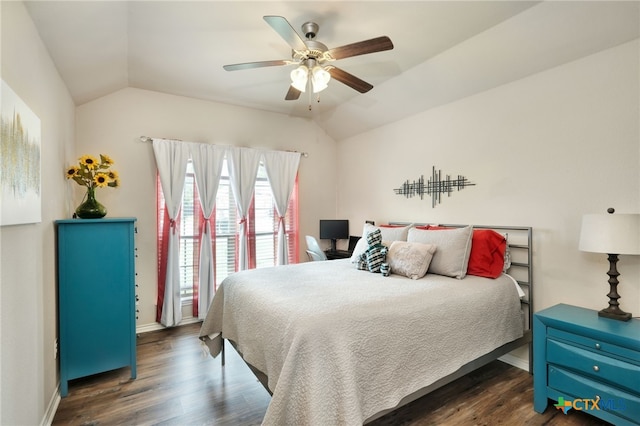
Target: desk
337 254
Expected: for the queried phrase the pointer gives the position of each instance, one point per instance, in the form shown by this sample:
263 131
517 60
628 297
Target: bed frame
519 239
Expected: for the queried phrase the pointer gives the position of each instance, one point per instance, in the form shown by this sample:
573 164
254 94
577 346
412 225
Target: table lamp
612 234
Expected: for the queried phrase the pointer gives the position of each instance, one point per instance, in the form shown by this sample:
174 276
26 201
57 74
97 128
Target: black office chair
353 240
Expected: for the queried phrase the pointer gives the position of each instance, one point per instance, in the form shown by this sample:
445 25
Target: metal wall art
434 187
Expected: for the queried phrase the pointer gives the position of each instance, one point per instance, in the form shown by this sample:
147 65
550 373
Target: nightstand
588 363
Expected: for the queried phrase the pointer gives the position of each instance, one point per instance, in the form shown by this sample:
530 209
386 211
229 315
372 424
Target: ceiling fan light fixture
319 78
299 77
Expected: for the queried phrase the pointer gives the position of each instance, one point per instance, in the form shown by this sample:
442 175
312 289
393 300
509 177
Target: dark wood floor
178 384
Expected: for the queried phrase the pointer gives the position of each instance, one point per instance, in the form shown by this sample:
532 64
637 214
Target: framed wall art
20 162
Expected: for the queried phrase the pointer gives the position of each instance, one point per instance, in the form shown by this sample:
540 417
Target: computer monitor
334 229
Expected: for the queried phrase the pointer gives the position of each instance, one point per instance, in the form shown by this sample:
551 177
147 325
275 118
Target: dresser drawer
598 366
614 401
595 344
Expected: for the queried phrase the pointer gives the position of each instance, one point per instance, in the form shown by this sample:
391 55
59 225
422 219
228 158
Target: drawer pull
596 368
597 345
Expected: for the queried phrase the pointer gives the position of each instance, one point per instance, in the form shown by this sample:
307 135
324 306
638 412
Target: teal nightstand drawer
611 400
599 367
595 344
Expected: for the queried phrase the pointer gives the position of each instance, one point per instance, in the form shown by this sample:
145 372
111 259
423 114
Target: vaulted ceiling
443 50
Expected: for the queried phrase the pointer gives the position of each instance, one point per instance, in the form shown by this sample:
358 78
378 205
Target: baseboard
515 361
47 420
146 328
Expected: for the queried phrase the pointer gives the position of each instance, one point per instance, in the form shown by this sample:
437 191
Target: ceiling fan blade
373 45
292 94
286 31
350 80
250 65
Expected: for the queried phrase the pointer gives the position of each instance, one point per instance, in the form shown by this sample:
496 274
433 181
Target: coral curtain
243 168
207 167
171 160
281 168
294 224
163 245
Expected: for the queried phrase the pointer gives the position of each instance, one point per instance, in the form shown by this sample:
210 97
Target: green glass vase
91 208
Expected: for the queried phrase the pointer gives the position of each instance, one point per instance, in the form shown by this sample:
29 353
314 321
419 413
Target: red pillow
487 253
427 227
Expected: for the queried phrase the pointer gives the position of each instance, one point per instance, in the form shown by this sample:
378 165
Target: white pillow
410 259
389 235
507 255
454 245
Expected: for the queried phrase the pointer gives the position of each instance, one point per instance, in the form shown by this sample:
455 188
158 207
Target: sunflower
89 161
106 160
101 180
72 171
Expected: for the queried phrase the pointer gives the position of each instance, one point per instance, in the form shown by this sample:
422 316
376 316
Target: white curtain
243 168
207 166
171 159
281 168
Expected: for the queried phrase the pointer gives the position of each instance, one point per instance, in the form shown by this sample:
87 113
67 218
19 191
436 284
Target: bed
335 345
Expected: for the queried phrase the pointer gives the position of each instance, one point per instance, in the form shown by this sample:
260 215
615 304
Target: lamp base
616 314
614 311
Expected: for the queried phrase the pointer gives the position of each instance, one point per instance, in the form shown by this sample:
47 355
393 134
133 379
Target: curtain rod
148 139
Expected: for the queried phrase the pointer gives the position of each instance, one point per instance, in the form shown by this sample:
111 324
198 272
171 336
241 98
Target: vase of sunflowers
93 174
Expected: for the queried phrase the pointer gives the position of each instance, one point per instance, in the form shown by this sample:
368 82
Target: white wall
28 370
114 123
543 151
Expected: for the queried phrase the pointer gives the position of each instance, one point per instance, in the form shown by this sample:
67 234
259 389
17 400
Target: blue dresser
96 297
585 362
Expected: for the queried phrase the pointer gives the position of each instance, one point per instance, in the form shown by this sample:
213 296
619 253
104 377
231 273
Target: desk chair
313 256
353 240
313 249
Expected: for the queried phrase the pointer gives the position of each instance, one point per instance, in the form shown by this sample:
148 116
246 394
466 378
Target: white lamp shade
320 79
299 78
610 233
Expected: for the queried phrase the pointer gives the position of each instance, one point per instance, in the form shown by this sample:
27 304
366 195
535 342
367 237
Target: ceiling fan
314 59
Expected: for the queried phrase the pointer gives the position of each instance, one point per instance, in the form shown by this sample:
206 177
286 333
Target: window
262 229
189 226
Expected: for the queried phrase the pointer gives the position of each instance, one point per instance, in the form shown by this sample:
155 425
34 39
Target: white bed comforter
340 345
